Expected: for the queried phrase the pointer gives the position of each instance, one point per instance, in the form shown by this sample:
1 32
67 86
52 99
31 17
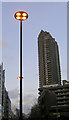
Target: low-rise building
62 98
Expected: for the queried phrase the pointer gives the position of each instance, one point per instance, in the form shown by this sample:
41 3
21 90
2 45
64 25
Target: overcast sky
48 16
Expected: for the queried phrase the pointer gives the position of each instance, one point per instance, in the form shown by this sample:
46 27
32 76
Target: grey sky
51 17
34 0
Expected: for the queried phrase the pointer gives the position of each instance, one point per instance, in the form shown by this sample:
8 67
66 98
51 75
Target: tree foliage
40 111
35 112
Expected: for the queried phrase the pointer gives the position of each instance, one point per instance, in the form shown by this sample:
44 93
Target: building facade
61 91
62 100
5 103
2 80
0 92
49 63
7 106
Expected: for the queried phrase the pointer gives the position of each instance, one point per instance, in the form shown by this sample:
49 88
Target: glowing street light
22 16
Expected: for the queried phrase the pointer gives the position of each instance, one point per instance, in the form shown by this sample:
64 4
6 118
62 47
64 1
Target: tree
35 112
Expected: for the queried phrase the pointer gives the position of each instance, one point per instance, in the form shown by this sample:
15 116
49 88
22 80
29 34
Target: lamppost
21 15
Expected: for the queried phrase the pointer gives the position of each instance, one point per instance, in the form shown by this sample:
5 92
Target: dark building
61 110
5 102
61 91
49 64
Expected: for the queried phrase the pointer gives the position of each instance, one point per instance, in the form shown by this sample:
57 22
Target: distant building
5 103
1 90
17 114
49 63
7 106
